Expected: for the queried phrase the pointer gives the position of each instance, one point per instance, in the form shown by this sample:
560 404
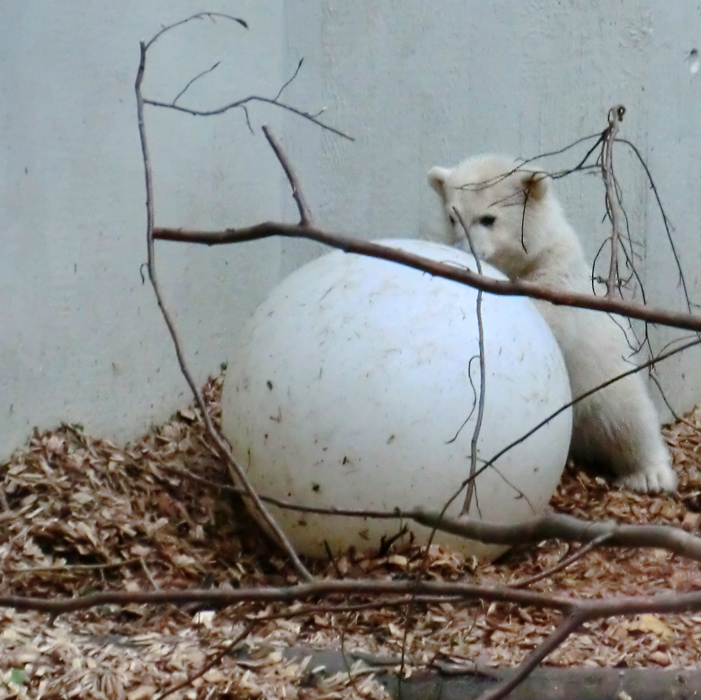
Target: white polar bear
516 224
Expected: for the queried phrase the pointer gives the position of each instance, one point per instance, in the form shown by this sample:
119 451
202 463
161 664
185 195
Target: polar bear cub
516 224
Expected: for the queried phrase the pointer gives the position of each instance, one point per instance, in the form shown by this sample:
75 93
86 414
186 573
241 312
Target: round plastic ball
355 385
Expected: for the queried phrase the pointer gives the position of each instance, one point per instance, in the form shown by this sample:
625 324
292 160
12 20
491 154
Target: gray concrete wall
422 83
82 339
417 83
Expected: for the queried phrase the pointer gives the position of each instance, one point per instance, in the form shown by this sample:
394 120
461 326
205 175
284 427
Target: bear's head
492 208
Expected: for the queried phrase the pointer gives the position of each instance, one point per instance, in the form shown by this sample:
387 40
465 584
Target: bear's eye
451 218
487 220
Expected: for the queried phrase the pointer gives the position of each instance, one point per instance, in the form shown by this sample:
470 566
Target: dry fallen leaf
651 623
85 515
143 691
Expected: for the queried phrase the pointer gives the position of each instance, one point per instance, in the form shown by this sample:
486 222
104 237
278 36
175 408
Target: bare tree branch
321 609
235 468
582 163
243 102
200 15
567 528
305 217
590 608
72 568
236 104
359 246
564 630
545 527
395 255
221 597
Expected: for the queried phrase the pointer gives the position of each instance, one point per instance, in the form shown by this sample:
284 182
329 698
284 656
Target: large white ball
354 386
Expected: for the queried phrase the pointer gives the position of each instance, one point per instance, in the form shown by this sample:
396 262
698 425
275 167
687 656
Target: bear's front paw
651 480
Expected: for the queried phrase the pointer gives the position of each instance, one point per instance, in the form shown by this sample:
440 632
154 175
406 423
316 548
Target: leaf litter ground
80 515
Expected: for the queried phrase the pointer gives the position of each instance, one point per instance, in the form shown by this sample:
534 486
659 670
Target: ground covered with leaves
79 515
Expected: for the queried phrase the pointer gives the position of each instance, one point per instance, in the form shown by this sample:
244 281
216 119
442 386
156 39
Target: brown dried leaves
84 514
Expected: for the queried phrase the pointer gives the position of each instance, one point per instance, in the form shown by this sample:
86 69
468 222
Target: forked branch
238 473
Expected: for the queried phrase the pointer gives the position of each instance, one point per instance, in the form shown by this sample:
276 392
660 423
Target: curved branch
199 15
222 446
548 526
483 374
569 529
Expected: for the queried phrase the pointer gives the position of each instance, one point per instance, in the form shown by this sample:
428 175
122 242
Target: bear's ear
437 177
535 183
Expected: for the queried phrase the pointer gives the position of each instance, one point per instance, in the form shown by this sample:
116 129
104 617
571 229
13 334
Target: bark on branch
360 246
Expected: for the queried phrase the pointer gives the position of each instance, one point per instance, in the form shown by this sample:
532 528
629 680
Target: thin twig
665 219
560 634
304 213
483 372
214 661
615 116
237 103
563 563
560 151
475 434
658 385
490 463
290 79
347 666
194 80
233 465
474 402
71 568
147 572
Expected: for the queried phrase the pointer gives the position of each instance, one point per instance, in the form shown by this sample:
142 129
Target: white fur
617 428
